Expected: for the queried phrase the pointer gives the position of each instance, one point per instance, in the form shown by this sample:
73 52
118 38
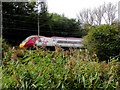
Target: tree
110 11
17 21
105 12
104 40
64 27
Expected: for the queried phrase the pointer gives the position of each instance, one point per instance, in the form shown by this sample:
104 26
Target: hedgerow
42 69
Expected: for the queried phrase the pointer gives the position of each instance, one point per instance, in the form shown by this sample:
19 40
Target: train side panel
44 41
66 42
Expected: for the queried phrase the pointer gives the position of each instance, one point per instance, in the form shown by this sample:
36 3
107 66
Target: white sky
70 8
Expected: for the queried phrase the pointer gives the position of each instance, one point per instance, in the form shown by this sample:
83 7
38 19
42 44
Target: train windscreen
24 41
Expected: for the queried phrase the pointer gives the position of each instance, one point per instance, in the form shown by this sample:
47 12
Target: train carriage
51 41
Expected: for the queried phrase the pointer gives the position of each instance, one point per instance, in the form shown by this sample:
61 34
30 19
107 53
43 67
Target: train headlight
21 45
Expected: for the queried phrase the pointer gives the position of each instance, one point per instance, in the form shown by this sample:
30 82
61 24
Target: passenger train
51 41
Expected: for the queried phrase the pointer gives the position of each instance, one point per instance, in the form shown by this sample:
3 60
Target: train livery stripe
67 38
28 39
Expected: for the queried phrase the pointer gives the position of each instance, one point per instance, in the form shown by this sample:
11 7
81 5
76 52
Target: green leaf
63 86
38 84
83 81
27 59
59 84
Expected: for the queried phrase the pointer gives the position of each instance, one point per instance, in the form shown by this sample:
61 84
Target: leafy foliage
40 69
104 41
62 26
5 46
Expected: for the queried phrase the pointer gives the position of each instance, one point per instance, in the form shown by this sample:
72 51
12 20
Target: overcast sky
70 8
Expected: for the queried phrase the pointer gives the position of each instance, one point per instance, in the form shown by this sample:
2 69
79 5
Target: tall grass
40 69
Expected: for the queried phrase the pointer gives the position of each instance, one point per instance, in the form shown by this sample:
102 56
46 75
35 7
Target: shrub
39 69
104 41
5 46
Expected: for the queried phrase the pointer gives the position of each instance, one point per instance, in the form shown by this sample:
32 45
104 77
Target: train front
28 42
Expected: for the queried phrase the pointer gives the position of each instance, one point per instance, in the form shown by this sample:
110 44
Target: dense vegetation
28 69
104 40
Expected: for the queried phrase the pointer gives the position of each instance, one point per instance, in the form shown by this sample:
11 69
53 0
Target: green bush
5 46
38 69
104 41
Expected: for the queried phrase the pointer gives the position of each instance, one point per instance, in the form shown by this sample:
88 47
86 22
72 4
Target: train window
69 42
33 39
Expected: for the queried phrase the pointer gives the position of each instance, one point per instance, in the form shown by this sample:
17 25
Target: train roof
68 38
54 37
